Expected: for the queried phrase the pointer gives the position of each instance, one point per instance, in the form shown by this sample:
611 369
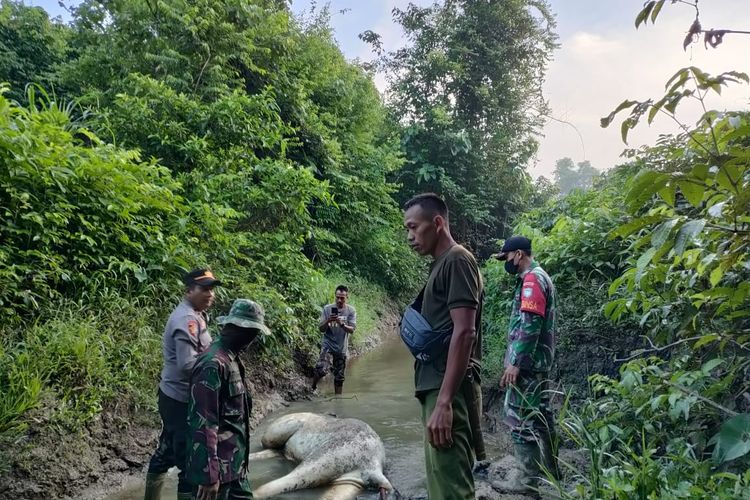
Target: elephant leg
265 455
347 487
300 478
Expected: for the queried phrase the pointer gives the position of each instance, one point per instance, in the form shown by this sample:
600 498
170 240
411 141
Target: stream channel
379 390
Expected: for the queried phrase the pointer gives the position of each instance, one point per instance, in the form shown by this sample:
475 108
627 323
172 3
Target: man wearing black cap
185 337
529 356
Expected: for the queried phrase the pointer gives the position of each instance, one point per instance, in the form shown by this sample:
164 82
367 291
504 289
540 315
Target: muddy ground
50 464
116 447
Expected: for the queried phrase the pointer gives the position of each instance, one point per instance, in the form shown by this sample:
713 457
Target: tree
239 96
467 91
569 176
31 47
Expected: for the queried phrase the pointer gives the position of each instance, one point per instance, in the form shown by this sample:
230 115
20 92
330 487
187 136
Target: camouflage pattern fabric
533 318
218 418
531 347
322 367
527 408
236 490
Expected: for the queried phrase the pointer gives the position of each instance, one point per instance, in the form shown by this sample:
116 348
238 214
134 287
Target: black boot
338 389
548 455
154 484
525 481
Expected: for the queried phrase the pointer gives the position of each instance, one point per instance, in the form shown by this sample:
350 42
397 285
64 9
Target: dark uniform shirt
454 282
218 417
531 333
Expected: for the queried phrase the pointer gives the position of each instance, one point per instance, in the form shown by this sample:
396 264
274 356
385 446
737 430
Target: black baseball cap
514 243
202 277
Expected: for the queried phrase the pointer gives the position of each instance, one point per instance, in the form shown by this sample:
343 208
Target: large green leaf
729 177
662 231
693 191
733 439
635 225
643 186
667 194
687 233
644 259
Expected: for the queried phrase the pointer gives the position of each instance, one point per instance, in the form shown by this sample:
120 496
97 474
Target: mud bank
114 449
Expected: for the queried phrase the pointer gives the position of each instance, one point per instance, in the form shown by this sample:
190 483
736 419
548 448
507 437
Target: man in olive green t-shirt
448 387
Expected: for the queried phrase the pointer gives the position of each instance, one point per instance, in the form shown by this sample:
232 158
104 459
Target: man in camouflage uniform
185 336
336 327
528 359
219 409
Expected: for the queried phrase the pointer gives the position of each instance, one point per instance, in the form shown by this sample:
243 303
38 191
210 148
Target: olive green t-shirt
454 282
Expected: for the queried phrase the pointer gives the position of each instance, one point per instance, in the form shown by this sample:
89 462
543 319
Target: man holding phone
337 322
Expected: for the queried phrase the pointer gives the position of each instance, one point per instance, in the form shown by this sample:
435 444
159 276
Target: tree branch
702 398
654 348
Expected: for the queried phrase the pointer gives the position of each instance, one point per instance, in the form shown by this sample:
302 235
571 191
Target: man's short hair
430 203
342 288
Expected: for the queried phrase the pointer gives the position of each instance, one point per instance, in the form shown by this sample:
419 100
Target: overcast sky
602 61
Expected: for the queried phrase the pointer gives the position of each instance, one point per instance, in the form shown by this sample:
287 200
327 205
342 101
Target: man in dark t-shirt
448 387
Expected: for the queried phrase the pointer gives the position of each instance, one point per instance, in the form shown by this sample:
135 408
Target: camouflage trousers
323 366
527 408
235 490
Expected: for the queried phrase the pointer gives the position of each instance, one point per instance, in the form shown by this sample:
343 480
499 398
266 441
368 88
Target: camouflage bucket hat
245 314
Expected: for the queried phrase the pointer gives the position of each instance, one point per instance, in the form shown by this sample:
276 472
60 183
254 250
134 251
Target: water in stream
379 390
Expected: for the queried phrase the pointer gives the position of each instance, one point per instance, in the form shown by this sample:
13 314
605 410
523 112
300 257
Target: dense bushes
178 136
74 213
570 239
656 251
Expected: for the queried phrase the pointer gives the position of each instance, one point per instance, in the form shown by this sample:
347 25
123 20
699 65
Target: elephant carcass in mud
344 453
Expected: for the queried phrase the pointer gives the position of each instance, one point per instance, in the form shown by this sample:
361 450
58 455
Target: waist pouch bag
424 343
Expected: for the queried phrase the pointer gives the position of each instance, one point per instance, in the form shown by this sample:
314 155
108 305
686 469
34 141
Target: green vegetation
571 241
145 139
657 248
468 93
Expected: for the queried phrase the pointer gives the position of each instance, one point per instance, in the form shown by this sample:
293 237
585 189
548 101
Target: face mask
510 267
238 339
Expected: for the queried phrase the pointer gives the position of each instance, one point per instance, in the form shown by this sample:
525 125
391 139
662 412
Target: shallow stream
379 390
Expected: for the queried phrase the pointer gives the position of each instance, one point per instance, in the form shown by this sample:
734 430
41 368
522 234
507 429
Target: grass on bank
87 355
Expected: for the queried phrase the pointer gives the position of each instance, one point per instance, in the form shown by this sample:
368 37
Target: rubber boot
527 479
549 457
154 484
338 389
315 381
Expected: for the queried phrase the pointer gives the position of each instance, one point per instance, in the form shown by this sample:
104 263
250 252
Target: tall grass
82 356
78 358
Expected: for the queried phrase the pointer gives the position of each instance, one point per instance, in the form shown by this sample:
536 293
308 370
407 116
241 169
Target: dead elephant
344 453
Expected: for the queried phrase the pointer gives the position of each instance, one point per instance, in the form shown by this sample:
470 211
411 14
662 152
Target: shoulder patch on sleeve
533 299
192 326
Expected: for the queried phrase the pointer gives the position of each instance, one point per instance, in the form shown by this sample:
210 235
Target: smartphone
335 310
